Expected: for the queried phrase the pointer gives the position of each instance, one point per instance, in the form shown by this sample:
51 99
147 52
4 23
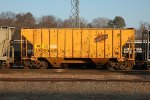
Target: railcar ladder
24 47
131 51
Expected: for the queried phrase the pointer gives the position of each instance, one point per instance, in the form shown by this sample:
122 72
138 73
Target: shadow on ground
69 96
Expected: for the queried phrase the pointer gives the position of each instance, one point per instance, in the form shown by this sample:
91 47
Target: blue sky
133 11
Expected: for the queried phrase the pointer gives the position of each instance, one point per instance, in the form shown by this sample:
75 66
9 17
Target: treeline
49 21
21 20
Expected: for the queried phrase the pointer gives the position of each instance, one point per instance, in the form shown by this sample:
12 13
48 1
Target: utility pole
75 17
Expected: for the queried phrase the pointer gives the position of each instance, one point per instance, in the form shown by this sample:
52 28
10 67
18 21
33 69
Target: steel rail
66 80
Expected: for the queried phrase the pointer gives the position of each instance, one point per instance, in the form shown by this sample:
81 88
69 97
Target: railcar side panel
92 43
76 44
37 43
100 44
116 43
45 43
6 57
61 43
85 44
53 43
68 44
108 44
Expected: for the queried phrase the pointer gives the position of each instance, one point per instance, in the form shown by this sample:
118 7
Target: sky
133 11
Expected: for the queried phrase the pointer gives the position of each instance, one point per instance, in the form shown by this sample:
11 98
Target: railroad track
62 75
65 80
76 71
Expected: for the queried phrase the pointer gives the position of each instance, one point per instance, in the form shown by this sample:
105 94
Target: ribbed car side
6 50
61 47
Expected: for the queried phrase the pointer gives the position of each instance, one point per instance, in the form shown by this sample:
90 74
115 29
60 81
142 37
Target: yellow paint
92 35
68 44
108 44
45 42
37 41
85 44
116 43
53 43
78 43
100 45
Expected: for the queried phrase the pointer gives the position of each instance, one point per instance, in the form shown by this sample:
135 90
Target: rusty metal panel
85 44
68 43
53 43
76 43
37 43
93 47
61 43
45 42
116 43
3 35
6 34
108 43
100 43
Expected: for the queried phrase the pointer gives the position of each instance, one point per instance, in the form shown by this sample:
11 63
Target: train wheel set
120 66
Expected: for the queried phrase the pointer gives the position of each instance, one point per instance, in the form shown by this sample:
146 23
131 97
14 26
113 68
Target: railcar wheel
43 64
5 65
111 66
119 66
27 64
124 66
1 64
129 66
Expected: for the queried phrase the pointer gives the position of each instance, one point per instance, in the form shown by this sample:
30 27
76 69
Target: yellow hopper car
57 47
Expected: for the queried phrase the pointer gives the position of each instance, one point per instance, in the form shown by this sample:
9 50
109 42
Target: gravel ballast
74 91
76 74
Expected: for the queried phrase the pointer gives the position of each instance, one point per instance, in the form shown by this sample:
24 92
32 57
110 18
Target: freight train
54 48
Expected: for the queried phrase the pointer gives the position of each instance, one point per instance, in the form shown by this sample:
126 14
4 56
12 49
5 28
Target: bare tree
83 23
25 20
47 21
59 23
100 22
144 26
7 18
67 23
